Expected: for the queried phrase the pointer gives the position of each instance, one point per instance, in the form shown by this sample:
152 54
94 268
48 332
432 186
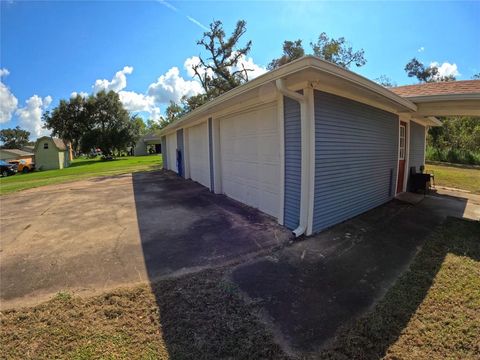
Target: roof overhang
448 105
307 71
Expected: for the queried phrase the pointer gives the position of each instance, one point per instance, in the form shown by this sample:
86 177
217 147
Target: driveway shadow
184 227
314 288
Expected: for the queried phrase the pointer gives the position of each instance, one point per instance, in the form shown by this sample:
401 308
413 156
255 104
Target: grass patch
198 316
80 169
433 310
456 177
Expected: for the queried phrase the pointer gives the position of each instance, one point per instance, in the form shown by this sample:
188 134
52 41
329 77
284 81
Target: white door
250 159
198 158
172 151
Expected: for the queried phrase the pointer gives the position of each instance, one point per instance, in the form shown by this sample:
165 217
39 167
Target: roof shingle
439 88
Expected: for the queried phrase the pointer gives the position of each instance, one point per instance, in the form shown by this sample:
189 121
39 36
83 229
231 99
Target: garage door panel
250 159
198 154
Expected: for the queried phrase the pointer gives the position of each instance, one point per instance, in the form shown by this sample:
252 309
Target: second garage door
198 154
250 158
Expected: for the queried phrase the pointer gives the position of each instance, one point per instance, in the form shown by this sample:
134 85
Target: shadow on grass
372 336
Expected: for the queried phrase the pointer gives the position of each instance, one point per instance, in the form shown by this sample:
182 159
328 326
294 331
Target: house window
45 145
401 155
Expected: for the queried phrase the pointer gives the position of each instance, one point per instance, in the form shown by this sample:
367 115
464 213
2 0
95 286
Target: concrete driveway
90 236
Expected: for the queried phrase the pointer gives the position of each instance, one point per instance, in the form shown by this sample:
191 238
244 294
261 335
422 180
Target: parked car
7 169
23 166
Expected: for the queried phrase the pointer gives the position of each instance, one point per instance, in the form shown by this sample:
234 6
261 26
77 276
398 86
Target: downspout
303 221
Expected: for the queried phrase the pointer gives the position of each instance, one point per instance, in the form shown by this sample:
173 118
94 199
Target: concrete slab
310 289
90 236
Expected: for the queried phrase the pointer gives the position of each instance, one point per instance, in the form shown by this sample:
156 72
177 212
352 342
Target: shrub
453 156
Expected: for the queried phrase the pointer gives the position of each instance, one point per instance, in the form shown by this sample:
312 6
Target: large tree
336 51
221 70
14 138
425 74
112 128
69 120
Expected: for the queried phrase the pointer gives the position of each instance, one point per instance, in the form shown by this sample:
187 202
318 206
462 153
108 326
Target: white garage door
199 154
172 151
250 159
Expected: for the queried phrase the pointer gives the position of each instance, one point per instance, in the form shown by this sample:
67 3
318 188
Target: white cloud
172 87
8 103
4 72
446 69
136 102
30 116
81 93
119 81
421 49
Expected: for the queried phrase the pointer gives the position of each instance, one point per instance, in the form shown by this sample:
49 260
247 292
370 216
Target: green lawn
80 169
458 177
432 312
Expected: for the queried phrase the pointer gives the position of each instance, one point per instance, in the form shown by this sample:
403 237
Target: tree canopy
292 50
14 138
425 74
100 121
385 81
336 51
221 70
69 120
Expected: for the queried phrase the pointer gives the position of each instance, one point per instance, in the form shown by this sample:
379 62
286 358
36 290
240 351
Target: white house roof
312 64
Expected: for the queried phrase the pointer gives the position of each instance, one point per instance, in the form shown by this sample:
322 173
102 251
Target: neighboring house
51 153
16 154
310 143
141 146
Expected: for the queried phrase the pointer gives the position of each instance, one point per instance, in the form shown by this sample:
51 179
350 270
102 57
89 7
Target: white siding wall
172 151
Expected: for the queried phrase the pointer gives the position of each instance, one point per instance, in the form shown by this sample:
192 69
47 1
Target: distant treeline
457 141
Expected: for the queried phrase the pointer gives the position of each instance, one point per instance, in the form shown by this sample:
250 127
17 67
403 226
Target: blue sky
51 49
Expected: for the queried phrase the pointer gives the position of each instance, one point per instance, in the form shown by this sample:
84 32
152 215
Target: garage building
309 143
